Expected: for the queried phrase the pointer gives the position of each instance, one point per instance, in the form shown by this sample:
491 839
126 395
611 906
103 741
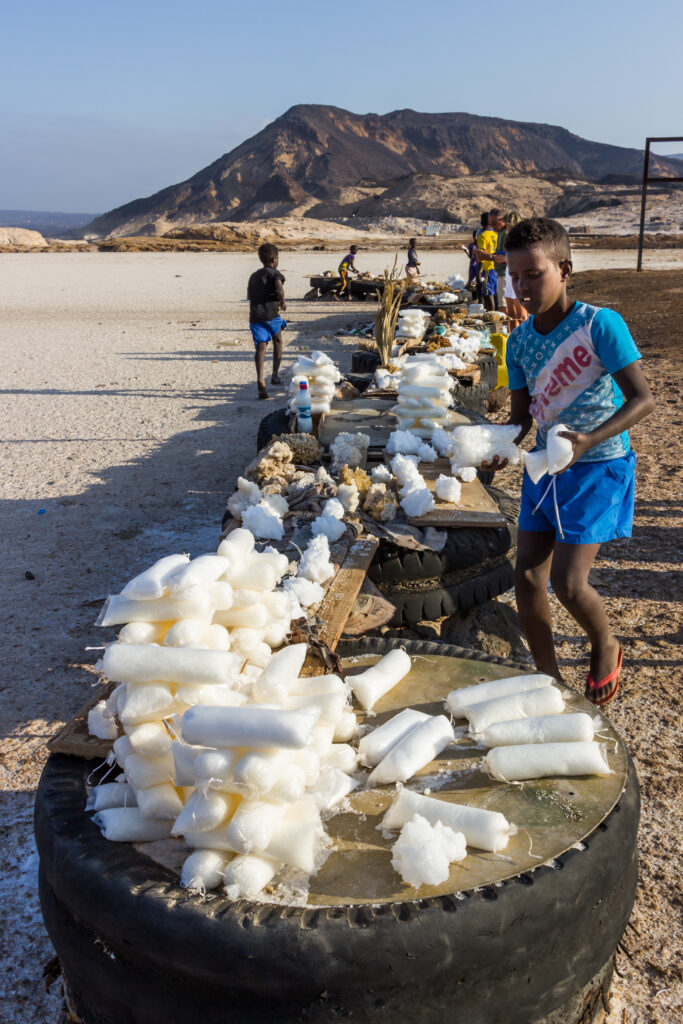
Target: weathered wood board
338 602
74 738
360 416
475 508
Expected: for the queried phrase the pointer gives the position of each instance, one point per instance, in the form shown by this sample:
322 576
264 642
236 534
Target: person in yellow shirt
487 240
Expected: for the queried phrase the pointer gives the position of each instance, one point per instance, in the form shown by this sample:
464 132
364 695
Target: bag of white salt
119 610
414 751
377 680
128 825
160 802
204 811
546 701
246 875
487 830
248 727
576 728
253 824
458 700
203 870
147 663
153 582
540 760
376 745
111 794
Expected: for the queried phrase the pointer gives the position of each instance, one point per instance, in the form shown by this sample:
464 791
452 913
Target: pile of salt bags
412 324
521 720
233 751
322 376
442 298
424 395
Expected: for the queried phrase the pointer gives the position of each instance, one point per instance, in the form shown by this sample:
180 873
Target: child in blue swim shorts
578 365
266 296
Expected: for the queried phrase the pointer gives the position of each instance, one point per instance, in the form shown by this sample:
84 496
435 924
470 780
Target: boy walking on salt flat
266 297
574 364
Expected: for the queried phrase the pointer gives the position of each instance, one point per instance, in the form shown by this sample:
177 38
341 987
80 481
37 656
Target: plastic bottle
303 403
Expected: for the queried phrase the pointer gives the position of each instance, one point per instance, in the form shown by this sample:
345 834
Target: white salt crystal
466 473
247 494
426 453
333 507
417 502
423 853
307 592
315 562
263 523
328 526
403 442
380 474
447 488
348 497
277 504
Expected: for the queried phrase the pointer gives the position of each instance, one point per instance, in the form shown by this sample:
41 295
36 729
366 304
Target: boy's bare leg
260 360
569 577
532 570
277 354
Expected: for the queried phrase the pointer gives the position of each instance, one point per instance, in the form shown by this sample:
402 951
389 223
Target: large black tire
277 422
472 396
134 947
475 566
489 370
364 361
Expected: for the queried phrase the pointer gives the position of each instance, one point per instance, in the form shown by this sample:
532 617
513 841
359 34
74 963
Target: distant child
574 364
346 267
487 239
266 299
473 267
413 264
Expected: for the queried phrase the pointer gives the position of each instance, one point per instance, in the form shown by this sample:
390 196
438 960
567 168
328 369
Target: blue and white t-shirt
568 373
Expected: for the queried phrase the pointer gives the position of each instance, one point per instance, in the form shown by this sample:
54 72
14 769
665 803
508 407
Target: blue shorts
594 499
264 330
490 281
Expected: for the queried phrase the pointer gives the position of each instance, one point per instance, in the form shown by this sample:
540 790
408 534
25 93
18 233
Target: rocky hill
315 160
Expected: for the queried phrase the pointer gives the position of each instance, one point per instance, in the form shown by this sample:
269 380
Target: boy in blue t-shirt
578 365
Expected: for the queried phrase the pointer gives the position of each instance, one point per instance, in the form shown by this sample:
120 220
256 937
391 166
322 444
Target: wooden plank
475 508
359 415
74 738
340 598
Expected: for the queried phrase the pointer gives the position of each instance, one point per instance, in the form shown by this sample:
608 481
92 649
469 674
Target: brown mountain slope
311 152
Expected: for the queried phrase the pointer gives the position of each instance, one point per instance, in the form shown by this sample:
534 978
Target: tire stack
135 948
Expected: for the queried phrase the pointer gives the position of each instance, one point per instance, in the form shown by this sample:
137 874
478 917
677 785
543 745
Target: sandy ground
129 408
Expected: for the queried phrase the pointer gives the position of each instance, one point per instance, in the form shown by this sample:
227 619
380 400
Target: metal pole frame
647 178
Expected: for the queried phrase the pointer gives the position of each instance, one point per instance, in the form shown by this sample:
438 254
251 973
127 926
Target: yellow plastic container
499 342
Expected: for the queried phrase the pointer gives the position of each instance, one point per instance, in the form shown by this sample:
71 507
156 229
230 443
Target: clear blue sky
102 102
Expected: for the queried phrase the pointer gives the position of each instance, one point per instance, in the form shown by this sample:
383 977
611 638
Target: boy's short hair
267 252
496 212
412 241
353 248
541 231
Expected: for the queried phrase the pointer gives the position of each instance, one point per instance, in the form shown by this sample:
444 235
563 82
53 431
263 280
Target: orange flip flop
592 686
